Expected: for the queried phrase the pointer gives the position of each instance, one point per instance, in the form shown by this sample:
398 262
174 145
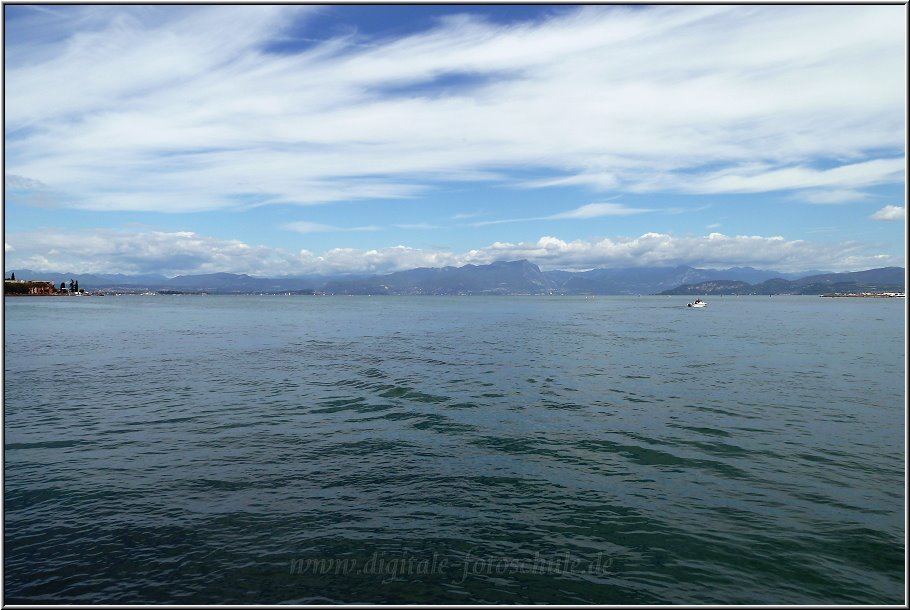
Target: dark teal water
454 450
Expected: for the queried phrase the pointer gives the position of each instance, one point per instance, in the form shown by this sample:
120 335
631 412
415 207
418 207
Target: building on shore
867 295
34 288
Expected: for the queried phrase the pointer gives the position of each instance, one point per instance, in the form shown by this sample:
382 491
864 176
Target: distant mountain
883 275
713 287
233 283
512 277
885 279
650 280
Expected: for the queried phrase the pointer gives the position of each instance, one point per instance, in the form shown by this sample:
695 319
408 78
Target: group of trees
74 285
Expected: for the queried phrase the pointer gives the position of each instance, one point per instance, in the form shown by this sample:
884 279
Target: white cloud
109 251
183 252
597 210
417 226
315 227
833 196
756 178
890 212
178 108
591 210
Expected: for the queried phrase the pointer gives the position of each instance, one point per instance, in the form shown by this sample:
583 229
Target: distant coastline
866 295
519 277
42 288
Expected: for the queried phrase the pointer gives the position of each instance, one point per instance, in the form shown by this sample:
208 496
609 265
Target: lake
457 450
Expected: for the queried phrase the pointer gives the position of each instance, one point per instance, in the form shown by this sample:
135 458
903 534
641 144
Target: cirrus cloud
598 210
190 108
304 227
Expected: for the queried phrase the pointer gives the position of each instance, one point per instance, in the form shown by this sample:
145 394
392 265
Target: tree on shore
62 285
13 277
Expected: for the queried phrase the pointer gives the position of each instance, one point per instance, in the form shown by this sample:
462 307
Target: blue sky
283 140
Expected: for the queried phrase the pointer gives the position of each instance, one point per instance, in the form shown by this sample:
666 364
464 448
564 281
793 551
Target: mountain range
512 277
885 279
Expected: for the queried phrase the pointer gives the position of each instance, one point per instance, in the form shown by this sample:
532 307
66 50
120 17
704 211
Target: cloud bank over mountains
179 253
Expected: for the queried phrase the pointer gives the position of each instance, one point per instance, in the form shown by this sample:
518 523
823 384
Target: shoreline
863 296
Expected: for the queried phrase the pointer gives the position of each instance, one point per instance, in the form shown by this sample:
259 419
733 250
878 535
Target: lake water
612 450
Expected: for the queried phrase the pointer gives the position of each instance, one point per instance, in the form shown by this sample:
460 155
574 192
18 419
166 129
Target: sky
296 140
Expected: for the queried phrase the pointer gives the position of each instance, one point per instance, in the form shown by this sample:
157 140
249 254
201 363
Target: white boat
697 303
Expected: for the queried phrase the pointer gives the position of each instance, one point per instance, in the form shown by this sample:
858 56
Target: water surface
612 450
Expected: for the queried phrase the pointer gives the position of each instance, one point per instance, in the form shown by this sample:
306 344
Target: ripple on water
190 450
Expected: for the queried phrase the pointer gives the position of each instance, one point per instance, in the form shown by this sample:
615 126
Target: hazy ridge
511 277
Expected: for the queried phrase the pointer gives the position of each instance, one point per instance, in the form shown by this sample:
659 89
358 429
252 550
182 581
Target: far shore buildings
29 287
17 287
45 288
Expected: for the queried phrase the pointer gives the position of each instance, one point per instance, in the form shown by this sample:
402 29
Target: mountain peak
521 263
